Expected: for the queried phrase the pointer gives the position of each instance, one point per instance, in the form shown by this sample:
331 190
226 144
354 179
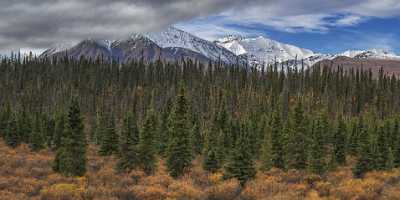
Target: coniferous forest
97 130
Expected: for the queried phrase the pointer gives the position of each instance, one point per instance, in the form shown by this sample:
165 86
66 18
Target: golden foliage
28 176
63 191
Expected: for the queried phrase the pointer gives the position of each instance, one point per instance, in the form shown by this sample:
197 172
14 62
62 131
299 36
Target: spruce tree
128 144
297 140
382 149
240 164
211 162
339 146
365 159
60 122
272 154
12 138
70 159
109 142
5 118
197 139
146 146
390 160
37 141
162 133
266 152
277 146
179 153
317 163
220 129
98 129
24 126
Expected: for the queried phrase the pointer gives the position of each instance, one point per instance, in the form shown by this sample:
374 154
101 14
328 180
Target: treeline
238 119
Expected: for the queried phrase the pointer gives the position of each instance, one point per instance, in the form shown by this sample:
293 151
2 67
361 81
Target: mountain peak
174 37
263 50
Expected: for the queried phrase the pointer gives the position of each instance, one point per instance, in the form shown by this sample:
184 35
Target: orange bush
225 190
25 175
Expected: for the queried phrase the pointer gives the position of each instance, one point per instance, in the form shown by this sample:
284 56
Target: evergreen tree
179 152
277 147
98 129
12 138
297 140
163 134
211 162
220 129
382 149
365 158
273 147
339 146
197 138
390 160
24 126
48 128
60 122
109 142
5 118
266 152
70 159
37 141
146 146
317 155
128 144
240 164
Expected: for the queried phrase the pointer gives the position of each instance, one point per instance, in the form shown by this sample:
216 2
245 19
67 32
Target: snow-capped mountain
371 54
58 48
170 44
135 48
173 37
173 44
263 50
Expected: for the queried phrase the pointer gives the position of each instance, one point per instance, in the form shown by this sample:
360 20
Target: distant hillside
373 64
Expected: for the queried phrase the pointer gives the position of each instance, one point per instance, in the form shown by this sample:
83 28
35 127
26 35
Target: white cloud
310 15
349 20
40 23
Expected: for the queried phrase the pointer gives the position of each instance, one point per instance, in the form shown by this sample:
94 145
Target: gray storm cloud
41 23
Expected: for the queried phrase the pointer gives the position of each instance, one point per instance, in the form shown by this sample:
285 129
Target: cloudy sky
326 26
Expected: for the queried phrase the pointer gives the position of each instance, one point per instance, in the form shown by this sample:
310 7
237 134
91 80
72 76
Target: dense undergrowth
28 175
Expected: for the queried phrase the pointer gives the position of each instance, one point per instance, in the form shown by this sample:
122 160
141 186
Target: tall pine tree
146 147
70 159
297 140
339 145
240 164
317 163
109 142
128 144
179 152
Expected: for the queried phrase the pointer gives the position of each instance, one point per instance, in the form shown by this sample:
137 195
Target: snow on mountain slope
371 54
58 48
263 50
173 37
260 50
173 43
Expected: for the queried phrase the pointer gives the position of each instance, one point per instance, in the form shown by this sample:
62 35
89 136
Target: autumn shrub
25 175
225 190
367 188
150 192
63 192
184 190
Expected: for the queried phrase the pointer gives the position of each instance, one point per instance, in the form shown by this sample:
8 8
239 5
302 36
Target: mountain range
173 44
